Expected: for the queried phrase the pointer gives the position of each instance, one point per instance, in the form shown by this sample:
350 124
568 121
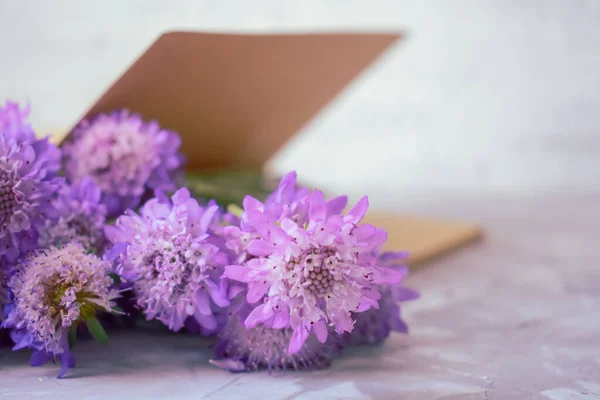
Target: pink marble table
515 316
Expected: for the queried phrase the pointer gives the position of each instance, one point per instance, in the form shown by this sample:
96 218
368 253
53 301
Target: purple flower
240 349
82 218
28 183
53 291
125 156
173 261
375 325
308 265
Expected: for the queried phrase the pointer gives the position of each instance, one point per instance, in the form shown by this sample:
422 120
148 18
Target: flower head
28 183
125 156
53 291
173 261
240 349
82 218
375 325
307 264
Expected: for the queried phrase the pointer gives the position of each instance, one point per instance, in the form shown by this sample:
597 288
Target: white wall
485 96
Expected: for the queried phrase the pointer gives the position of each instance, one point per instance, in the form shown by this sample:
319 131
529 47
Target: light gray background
484 95
489 111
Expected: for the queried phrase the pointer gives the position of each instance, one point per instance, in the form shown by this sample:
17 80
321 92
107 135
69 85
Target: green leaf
228 186
96 330
72 336
116 278
235 210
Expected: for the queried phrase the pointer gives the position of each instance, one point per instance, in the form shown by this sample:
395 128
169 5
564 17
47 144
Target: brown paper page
236 99
424 238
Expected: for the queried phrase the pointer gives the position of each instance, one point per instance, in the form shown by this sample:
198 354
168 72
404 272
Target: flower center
71 306
171 270
315 272
9 201
127 163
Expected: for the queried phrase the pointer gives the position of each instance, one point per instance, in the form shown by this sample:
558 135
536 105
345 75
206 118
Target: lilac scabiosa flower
53 291
307 264
28 183
240 349
375 325
82 218
170 256
126 157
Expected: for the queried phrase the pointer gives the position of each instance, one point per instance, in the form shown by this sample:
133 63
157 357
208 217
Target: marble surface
516 316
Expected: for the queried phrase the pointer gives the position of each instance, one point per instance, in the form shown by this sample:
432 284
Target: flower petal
257 289
207 218
216 294
202 303
364 232
272 233
382 275
399 325
207 321
402 293
298 339
366 303
389 256
181 196
358 211
114 234
229 364
281 319
317 209
336 205
234 290
371 293
320 330
39 357
286 188
259 247
238 273
251 204
194 213
67 361
260 314
343 322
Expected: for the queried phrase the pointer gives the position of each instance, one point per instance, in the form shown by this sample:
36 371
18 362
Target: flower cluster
54 290
168 254
28 184
49 283
81 218
309 265
126 157
283 283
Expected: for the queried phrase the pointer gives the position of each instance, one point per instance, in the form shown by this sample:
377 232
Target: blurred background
490 98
